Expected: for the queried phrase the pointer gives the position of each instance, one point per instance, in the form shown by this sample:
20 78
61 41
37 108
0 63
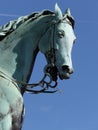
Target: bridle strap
51 53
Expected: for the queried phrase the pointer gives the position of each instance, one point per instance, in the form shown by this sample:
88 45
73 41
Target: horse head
57 45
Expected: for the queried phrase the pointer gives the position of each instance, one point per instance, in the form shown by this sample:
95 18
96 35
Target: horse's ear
68 12
58 12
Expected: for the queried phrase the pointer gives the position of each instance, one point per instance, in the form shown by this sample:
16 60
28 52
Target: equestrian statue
51 33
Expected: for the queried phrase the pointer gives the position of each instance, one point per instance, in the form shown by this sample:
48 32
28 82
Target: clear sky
76 108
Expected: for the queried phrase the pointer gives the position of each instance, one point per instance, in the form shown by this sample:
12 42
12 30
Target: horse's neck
26 54
19 49
17 57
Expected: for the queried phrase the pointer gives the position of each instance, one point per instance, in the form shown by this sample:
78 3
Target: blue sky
76 108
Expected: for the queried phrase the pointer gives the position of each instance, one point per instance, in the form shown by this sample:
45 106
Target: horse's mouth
55 72
64 76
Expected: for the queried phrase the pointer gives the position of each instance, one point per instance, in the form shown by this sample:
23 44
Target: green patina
20 40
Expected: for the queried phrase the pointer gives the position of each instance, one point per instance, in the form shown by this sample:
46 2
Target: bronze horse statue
20 41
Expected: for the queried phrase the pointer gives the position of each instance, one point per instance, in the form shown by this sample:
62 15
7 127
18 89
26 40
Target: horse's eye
61 34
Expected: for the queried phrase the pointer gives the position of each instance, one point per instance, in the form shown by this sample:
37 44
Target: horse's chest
11 102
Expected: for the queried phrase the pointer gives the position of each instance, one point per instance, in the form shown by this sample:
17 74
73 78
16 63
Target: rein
44 84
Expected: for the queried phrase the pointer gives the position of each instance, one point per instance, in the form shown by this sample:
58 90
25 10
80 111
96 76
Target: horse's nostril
65 68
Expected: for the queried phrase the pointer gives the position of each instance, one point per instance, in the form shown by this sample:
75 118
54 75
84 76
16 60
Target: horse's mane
13 25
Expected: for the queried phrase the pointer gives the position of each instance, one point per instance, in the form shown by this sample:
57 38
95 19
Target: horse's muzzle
64 73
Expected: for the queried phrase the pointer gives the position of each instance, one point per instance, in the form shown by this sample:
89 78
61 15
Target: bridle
50 55
50 70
